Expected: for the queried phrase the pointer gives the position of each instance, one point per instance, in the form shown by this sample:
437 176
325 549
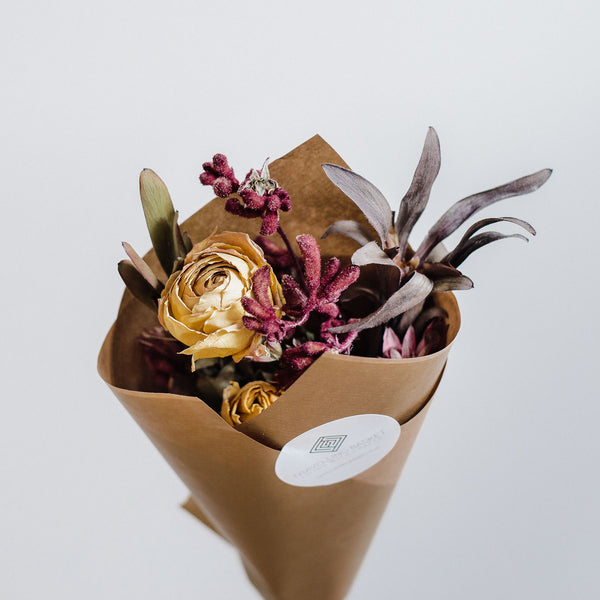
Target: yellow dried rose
239 405
201 304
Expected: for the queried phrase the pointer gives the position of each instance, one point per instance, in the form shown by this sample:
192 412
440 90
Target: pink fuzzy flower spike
263 318
220 176
258 197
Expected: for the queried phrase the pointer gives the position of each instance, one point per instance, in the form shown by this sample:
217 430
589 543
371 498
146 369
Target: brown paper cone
295 543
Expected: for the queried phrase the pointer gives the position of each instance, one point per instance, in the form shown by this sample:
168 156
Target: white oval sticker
337 450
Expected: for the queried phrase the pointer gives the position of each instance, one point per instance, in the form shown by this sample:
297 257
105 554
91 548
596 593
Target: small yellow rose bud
240 405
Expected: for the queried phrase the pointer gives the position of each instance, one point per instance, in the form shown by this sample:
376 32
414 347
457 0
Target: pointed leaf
371 253
428 315
415 200
437 253
160 215
437 271
414 291
137 285
351 229
390 341
409 343
458 256
447 284
485 222
479 225
142 266
458 213
178 242
365 195
409 317
187 241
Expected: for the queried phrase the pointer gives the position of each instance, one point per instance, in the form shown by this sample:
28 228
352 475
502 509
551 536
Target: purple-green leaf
351 229
178 241
371 253
414 291
417 196
409 317
480 225
137 285
457 214
160 216
409 343
438 270
142 266
365 195
461 252
187 241
448 284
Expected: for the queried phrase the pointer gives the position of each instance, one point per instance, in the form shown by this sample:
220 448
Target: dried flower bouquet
250 342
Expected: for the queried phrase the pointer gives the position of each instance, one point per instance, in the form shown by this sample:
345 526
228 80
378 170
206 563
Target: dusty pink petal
409 343
390 342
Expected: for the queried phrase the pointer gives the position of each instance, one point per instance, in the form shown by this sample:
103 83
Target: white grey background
500 496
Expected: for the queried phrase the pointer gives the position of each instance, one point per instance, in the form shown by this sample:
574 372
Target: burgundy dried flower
220 176
279 258
258 196
321 290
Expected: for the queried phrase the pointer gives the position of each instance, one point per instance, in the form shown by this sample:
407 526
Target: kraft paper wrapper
295 543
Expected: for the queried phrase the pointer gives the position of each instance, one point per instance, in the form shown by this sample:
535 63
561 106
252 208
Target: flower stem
288 245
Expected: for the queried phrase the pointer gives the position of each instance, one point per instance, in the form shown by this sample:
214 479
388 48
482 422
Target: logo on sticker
328 443
323 456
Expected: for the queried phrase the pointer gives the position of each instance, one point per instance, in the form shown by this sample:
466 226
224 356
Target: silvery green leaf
437 271
365 195
437 253
427 315
447 284
144 270
458 255
137 285
414 291
187 241
371 253
457 214
485 222
178 241
351 229
203 363
449 258
417 196
160 215
408 318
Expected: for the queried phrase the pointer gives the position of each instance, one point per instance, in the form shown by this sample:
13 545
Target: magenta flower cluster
318 295
258 196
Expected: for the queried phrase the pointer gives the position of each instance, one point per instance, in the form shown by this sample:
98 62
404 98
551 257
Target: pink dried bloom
279 258
338 342
392 346
263 316
258 196
330 292
270 223
311 256
301 357
170 369
220 176
323 289
416 341
433 338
